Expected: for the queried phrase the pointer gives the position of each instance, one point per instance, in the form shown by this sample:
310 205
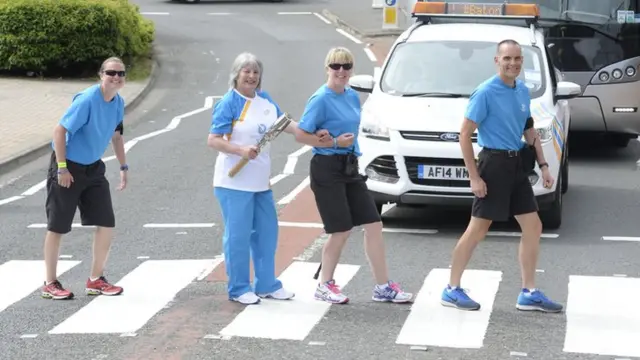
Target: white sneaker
248 298
280 294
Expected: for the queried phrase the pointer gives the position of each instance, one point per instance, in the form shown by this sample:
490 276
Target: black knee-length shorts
343 201
89 192
509 192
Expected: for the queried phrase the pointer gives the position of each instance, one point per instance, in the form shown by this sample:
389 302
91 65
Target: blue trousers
250 232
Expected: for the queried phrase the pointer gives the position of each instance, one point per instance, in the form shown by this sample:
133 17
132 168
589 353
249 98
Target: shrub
70 36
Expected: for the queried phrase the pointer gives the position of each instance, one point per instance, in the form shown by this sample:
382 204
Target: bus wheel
552 217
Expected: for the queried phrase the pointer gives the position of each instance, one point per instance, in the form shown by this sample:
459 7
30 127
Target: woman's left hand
324 135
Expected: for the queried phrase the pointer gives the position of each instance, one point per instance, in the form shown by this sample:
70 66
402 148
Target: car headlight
545 133
372 128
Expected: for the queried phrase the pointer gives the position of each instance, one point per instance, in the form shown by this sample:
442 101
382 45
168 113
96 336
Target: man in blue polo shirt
499 109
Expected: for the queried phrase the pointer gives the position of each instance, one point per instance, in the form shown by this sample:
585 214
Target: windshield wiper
435 94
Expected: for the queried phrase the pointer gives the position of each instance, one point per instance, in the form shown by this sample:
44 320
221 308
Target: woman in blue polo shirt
341 194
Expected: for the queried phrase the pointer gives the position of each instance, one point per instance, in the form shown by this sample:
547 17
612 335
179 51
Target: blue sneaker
457 298
536 301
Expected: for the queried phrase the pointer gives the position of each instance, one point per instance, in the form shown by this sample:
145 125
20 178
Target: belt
507 153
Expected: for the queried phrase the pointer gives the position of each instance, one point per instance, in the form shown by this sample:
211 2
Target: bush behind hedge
48 36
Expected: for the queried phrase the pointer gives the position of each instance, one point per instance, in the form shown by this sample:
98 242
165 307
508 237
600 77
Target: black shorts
89 191
343 202
509 192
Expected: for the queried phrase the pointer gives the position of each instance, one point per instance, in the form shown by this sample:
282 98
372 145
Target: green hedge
71 36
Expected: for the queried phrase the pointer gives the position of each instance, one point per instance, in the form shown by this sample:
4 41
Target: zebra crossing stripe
289 319
147 289
603 316
431 324
23 277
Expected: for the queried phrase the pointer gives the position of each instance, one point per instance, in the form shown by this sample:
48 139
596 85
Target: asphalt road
170 183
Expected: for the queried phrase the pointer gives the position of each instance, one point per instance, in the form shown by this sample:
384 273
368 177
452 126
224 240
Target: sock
93 279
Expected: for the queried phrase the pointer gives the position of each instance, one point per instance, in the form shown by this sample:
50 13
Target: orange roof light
521 10
474 9
430 8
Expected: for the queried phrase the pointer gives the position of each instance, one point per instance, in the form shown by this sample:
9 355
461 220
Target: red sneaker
55 291
102 287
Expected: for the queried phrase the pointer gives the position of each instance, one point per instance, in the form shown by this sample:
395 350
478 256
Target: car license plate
443 172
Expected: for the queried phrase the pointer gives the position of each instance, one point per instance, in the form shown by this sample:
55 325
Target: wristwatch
543 165
124 167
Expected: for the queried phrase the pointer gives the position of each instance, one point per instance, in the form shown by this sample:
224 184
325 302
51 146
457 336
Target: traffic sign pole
390 14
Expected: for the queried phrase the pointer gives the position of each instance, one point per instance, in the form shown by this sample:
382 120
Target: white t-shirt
243 121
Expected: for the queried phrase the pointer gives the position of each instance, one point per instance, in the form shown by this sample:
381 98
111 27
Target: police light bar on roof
445 9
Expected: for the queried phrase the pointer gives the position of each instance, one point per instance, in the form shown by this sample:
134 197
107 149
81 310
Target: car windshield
439 68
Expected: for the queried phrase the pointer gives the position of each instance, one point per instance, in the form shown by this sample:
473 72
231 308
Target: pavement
167 245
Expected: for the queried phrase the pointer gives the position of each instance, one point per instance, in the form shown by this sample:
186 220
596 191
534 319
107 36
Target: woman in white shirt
239 120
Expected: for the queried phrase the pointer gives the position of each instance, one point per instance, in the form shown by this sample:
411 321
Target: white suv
412 117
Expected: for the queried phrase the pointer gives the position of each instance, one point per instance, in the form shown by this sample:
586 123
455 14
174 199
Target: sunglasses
338 66
114 72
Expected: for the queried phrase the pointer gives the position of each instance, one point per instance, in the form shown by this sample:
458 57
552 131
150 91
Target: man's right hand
64 178
478 187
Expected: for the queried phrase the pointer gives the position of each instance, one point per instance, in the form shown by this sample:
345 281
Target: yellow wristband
62 165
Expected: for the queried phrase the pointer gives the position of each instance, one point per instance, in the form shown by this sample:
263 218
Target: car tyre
565 170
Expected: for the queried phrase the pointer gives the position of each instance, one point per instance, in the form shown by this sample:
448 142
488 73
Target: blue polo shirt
338 113
501 112
90 122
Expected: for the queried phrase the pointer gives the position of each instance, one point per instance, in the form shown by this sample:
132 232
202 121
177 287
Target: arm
310 122
468 127
76 116
475 114
533 139
117 142
221 125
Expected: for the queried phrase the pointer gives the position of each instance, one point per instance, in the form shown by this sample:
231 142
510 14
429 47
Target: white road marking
301 224
23 277
274 180
518 234
209 269
289 197
599 321
173 124
292 159
431 324
620 238
11 199
386 208
349 36
29 336
290 319
370 54
44 226
176 225
147 289
322 18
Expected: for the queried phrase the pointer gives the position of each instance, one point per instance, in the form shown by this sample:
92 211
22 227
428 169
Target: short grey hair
242 61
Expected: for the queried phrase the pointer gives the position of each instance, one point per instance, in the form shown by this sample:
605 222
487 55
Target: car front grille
434 136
